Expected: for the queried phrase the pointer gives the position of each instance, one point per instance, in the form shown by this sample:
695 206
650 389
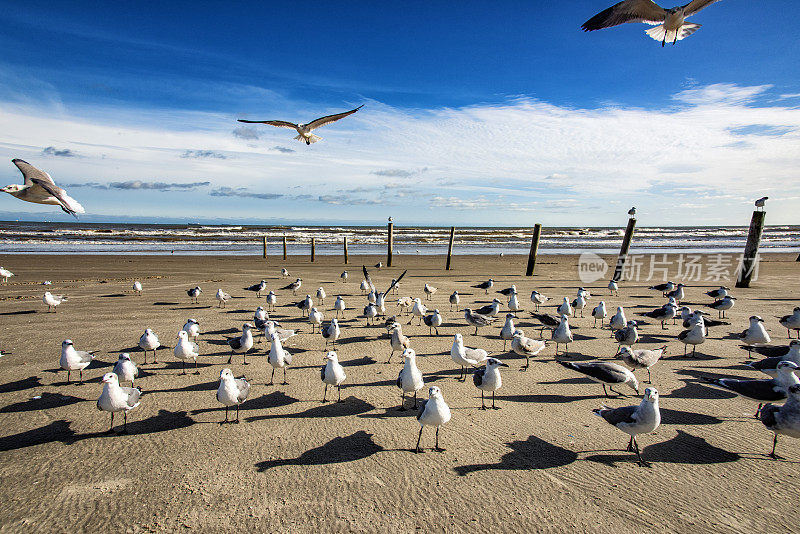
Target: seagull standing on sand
284 272
488 379
222 298
306 305
490 310
39 188
613 287
116 398
783 419
186 350
618 321
332 374
125 369
258 288
192 329
670 24
304 130
410 378
507 332
627 336
137 287
284 334
433 322
52 301
755 334
294 286
74 360
641 358
678 293
664 288
513 303
5 274
455 299
278 357
507 292
343 276
696 335
635 420
605 373
775 355
486 286
717 294
791 322
433 412
465 356
339 306
272 300
476 319
538 299
429 291
760 203
760 390
564 308
315 317
418 310
397 340
370 312
194 293
241 344
149 341
562 334
525 346
663 314
364 287
722 305
321 295
331 332
231 392
599 312
579 303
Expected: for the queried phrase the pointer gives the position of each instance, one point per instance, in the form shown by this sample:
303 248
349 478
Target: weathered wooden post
623 251
537 232
265 247
345 249
284 247
312 250
391 243
750 258
450 247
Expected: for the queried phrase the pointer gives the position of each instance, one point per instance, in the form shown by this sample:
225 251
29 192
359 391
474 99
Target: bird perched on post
486 286
410 378
791 322
605 373
641 358
783 419
115 398
232 392
331 332
258 288
38 187
760 203
433 412
304 130
186 350
433 321
455 299
241 344
222 298
477 320
465 356
397 340
635 420
632 212
74 360
278 358
125 369
332 374
52 301
488 378
149 341
194 293
525 346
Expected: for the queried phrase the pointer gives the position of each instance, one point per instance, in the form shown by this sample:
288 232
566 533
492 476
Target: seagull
410 378
433 322
370 312
508 291
364 287
116 398
613 287
618 320
761 390
490 310
397 340
605 373
186 350
775 355
52 301
488 379
664 288
321 295
405 304
429 291
278 357
149 341
507 332
231 392
222 297
635 420
562 334
380 303
670 24
513 303
284 272
242 344
693 317
564 308
455 299
284 334
632 211
599 312
339 306
433 412
579 303
5 274
486 286
260 316
678 293
258 288
717 294
304 130
343 276
194 293
39 188
315 317
791 322
696 335
137 287
294 286
74 360
755 334
723 305
125 369
641 358
663 314
783 419
525 346
332 374
538 299
476 319
627 336
272 300
465 356
331 332
379 265
372 297
305 306
760 203
192 329
418 310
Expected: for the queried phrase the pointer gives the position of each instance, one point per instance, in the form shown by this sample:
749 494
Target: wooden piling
284 247
537 232
450 247
390 243
623 251
265 247
312 250
345 250
748 266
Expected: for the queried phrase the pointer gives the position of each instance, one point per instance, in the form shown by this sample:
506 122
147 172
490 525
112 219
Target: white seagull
232 392
186 350
332 374
149 341
488 379
339 306
465 356
605 373
410 378
222 298
635 420
760 203
455 299
304 130
52 301
74 360
241 344
192 329
397 340
137 287
125 369
5 274
783 419
278 357
525 346
39 188
433 412
116 398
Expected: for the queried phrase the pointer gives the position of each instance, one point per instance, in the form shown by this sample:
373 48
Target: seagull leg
68 382
415 399
476 330
493 406
245 358
605 392
758 411
324 395
339 390
226 416
154 356
774 444
482 405
284 377
230 358
124 422
196 371
649 381
438 448
80 375
111 428
419 438
527 363
183 367
272 380
639 454
630 445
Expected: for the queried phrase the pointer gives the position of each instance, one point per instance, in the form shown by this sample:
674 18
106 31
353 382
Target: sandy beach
543 462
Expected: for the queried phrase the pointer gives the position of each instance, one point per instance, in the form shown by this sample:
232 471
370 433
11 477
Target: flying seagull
305 129
39 188
670 23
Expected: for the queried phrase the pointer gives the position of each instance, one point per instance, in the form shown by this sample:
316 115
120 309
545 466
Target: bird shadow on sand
195 307
237 311
650 338
220 332
364 360
165 303
684 448
276 399
21 385
679 417
355 339
348 406
345 449
698 356
552 399
46 401
533 453
203 386
20 312
113 296
695 390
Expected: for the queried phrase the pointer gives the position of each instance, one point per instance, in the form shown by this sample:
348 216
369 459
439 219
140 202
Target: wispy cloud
246 132
203 154
283 149
138 184
721 93
398 173
60 152
340 200
242 192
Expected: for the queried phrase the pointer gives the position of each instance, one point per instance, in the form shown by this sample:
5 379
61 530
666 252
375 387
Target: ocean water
93 238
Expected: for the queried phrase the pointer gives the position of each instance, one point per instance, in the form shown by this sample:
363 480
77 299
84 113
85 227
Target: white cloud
721 93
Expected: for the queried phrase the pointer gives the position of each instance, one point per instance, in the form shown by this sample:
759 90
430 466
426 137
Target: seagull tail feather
659 33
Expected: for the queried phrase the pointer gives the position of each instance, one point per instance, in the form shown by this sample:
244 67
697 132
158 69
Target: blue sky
482 113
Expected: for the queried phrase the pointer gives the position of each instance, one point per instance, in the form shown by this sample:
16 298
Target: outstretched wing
368 279
645 11
279 124
30 173
322 121
696 5
395 282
